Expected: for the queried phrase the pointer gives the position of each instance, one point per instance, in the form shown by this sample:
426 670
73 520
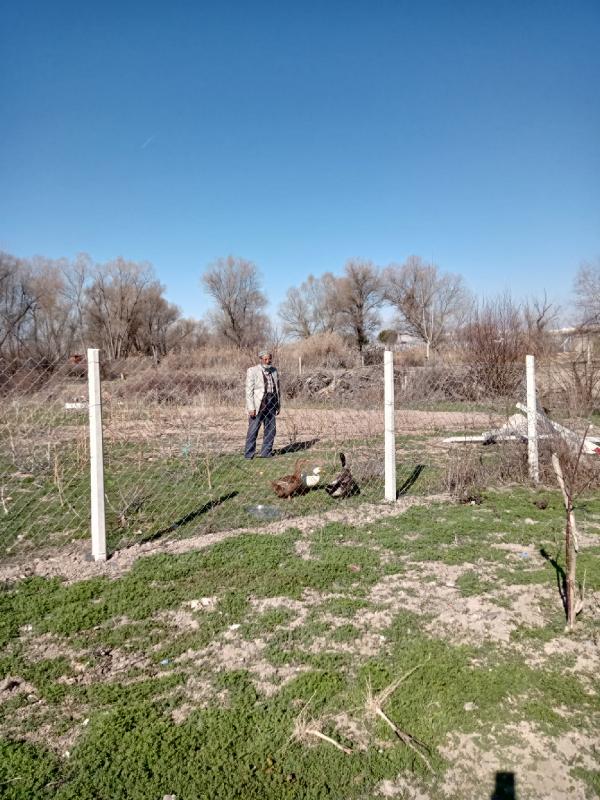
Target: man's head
266 357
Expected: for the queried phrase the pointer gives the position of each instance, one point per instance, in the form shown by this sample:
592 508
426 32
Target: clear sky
298 135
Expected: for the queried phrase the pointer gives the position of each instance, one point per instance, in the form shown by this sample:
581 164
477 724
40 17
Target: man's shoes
269 455
248 458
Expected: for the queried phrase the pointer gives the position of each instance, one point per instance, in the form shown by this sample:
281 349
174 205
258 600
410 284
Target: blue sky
298 135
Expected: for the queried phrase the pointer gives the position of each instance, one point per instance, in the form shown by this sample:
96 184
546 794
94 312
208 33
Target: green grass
178 491
236 739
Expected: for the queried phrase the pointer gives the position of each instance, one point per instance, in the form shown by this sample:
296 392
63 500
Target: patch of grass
469 583
242 744
343 606
267 622
139 636
345 633
432 702
106 695
590 777
522 575
43 675
263 566
28 772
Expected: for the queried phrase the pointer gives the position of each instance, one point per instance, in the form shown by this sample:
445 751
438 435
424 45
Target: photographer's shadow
505 788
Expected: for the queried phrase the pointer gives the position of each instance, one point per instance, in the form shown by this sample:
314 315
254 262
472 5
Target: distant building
584 339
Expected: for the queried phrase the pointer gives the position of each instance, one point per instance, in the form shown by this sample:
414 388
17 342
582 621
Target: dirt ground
541 764
224 428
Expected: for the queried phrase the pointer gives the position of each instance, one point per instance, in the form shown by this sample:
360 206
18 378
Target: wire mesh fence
174 437
44 455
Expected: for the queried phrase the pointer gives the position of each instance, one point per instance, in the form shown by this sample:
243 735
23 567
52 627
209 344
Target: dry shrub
494 380
574 387
358 388
495 341
44 379
471 469
179 388
182 378
435 384
414 357
581 470
324 350
23 378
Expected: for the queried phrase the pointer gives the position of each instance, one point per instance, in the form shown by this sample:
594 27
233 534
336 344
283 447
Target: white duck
310 477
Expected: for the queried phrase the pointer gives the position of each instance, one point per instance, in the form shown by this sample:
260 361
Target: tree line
50 309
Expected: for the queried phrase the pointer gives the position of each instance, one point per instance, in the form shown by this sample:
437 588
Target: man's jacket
255 388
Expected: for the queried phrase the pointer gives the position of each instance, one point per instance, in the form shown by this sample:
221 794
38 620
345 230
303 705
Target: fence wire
174 441
44 455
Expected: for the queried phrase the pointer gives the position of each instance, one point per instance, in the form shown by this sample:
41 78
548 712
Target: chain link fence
44 455
174 438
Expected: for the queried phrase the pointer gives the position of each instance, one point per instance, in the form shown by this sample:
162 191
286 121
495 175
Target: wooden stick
405 738
314 732
561 483
385 694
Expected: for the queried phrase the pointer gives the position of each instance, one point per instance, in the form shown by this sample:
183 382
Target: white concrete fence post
389 428
96 458
532 435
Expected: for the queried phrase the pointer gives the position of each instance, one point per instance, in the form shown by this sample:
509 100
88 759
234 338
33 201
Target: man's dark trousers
266 416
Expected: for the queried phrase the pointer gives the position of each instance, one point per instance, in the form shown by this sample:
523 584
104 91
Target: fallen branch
404 737
315 732
304 727
374 706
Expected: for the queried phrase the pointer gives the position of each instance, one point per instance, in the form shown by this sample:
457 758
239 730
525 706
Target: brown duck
290 485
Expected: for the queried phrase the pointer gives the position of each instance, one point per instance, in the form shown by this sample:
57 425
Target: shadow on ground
295 447
561 577
505 788
410 481
185 520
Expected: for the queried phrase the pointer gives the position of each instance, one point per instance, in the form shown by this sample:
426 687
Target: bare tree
540 316
155 316
359 298
17 302
297 314
587 294
311 308
113 305
429 302
55 318
77 277
234 285
41 304
186 335
50 307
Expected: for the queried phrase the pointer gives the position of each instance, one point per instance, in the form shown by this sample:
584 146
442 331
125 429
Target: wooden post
98 523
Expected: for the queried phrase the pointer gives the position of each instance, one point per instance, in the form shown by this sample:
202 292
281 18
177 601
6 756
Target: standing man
262 404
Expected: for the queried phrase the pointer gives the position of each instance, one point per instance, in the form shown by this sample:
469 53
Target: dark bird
541 504
343 484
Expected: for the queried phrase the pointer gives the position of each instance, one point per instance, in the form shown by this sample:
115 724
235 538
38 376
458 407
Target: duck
311 477
290 485
343 484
